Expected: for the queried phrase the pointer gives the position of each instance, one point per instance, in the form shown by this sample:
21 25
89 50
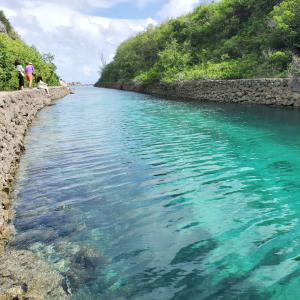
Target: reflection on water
133 197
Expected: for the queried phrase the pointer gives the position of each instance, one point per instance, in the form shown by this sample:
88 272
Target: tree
103 62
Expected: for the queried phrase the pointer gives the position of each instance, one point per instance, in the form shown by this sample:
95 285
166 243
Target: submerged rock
282 165
24 276
46 235
80 264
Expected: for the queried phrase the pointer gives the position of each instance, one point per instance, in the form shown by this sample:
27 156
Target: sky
79 32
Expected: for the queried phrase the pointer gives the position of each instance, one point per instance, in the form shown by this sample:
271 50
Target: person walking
29 73
21 74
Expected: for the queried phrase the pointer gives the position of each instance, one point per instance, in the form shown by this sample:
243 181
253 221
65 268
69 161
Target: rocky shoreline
277 91
22 275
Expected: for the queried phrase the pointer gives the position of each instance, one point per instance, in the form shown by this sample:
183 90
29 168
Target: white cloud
175 8
68 29
75 38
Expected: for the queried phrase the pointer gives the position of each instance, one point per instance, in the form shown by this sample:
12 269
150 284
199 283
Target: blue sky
132 10
78 32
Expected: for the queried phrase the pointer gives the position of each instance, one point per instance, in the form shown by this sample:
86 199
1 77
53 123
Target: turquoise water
134 197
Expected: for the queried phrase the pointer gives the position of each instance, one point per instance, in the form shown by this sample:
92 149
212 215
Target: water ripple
134 197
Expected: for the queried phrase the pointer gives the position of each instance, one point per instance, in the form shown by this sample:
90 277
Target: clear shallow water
134 197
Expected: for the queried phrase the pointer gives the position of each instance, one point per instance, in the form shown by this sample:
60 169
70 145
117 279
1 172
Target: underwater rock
82 261
281 165
88 257
24 276
79 264
86 262
38 235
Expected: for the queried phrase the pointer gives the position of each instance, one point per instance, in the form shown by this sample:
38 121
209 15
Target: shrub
227 39
280 60
12 49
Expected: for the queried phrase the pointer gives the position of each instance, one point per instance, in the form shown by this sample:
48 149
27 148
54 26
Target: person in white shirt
42 85
62 83
21 74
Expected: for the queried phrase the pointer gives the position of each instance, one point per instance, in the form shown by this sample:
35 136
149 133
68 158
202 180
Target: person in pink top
29 73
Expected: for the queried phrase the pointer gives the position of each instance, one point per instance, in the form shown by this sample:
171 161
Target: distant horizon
78 33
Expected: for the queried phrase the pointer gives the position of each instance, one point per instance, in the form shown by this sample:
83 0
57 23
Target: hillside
229 39
12 48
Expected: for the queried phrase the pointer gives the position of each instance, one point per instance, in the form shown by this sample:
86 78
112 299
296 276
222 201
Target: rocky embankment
282 92
22 275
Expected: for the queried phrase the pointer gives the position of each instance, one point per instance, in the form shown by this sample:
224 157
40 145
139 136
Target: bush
9 29
12 49
228 39
280 60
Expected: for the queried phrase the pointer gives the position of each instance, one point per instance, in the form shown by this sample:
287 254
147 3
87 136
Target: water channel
130 196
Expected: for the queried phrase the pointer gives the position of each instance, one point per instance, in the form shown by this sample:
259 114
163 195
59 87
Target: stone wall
17 110
284 92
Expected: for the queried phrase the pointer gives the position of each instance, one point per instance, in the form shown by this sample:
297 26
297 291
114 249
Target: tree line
230 39
12 48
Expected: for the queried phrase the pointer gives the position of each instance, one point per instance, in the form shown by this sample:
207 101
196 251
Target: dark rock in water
24 276
80 278
272 258
194 252
79 264
281 165
83 262
66 286
88 257
33 236
68 229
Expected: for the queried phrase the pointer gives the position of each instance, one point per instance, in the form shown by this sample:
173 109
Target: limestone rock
23 276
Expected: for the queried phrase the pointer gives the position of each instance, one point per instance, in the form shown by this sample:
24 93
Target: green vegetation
229 39
12 48
9 29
